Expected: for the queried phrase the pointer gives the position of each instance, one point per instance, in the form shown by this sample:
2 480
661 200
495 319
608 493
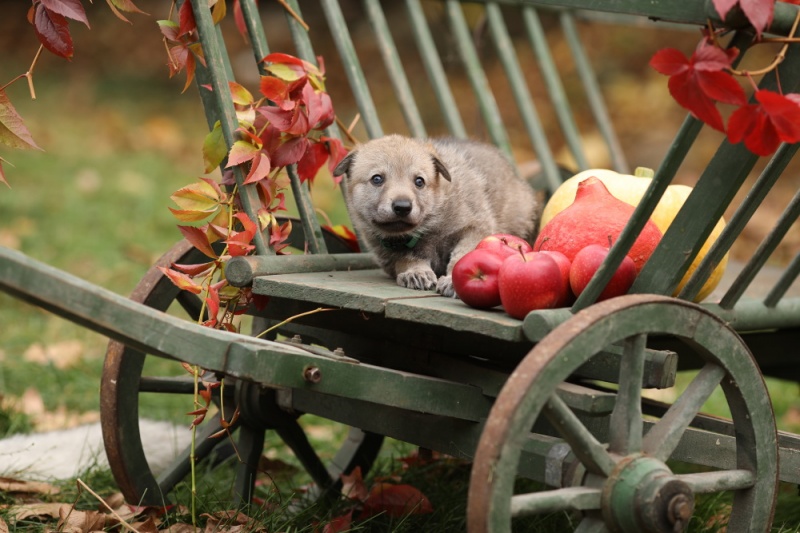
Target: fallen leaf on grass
148 526
179 528
232 522
353 486
39 511
340 523
8 484
74 521
395 501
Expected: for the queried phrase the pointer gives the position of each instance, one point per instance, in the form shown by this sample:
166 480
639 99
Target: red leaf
315 156
669 61
182 281
212 306
276 90
239 242
259 168
758 12
763 126
346 235
186 20
72 9
340 523
286 59
168 29
289 152
13 131
199 239
193 270
699 82
353 486
52 30
337 152
396 501
319 107
238 18
723 6
241 152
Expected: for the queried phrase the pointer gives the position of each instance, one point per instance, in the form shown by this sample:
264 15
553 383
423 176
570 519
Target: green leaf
13 131
214 148
284 72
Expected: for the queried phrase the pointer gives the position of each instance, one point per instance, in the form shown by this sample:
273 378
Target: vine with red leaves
708 78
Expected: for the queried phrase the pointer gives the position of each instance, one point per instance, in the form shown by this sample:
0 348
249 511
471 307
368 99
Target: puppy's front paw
445 287
421 279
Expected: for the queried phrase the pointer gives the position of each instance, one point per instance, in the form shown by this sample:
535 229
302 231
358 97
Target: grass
95 205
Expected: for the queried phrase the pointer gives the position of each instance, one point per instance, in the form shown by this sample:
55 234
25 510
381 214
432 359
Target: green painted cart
556 397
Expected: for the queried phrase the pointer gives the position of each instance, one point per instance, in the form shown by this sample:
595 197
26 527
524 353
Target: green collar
398 243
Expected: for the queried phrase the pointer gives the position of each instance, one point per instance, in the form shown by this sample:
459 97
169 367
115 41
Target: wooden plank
363 290
456 315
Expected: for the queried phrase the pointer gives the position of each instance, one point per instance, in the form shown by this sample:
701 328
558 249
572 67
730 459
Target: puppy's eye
377 179
419 182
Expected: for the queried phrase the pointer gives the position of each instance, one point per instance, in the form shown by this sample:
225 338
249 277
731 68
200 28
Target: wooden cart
556 397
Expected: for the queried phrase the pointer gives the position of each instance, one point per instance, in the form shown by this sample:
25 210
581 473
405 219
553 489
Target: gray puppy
420 205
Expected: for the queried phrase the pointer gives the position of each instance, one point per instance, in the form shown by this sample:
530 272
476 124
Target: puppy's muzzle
402 208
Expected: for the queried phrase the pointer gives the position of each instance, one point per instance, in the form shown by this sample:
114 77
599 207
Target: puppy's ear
344 165
441 169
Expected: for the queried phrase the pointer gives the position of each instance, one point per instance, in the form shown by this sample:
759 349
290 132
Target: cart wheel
627 487
124 380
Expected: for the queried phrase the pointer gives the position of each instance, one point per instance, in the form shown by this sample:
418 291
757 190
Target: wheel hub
643 495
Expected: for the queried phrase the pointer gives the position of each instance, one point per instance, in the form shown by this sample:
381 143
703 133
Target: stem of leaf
291 318
779 57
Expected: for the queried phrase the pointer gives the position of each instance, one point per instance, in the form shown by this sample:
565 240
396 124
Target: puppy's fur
420 205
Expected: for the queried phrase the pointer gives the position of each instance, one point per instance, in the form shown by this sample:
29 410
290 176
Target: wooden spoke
250 447
294 436
625 433
568 499
662 438
191 304
585 446
177 385
705 482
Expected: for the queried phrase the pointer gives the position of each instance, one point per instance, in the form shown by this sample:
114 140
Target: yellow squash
630 189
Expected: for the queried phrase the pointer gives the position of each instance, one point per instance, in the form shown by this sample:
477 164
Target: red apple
505 244
475 278
529 281
586 263
564 265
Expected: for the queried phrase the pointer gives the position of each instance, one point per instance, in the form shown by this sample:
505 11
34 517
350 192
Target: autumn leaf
181 280
239 242
52 29
123 5
13 131
186 21
290 152
315 156
193 270
239 94
758 12
339 524
8 484
199 239
395 500
763 126
241 152
259 168
344 233
72 9
697 83
353 486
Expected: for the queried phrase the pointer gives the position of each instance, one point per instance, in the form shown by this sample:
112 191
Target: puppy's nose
401 208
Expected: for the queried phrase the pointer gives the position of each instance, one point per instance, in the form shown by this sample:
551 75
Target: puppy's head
393 184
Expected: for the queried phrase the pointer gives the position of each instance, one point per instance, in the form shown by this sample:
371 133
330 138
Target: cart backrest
479 34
